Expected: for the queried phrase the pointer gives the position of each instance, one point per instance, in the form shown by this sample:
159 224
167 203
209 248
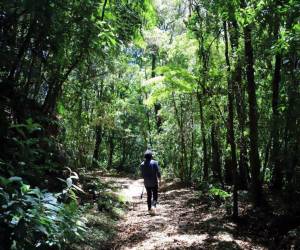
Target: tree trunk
98 134
182 140
204 143
230 128
51 98
277 178
157 105
192 154
149 134
98 130
216 156
55 87
238 90
103 10
256 187
292 128
12 79
110 150
266 159
124 153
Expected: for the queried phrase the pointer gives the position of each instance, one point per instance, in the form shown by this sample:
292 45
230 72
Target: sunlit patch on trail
181 222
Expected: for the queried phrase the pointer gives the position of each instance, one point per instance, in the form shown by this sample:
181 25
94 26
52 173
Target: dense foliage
211 86
31 218
52 51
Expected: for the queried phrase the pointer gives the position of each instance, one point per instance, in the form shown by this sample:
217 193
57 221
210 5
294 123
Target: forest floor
182 221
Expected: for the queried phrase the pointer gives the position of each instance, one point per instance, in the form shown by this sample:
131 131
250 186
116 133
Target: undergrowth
102 212
31 218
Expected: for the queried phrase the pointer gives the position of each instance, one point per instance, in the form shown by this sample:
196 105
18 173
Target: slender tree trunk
192 155
98 130
256 187
37 85
98 135
182 141
12 74
216 156
229 164
111 149
204 143
277 180
244 177
230 129
238 90
292 128
275 155
27 82
103 10
123 160
266 159
149 128
203 55
157 105
148 119
153 64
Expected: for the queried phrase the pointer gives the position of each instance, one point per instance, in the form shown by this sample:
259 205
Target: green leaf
25 188
60 108
15 220
4 181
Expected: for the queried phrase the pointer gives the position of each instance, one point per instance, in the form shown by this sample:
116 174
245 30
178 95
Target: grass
102 215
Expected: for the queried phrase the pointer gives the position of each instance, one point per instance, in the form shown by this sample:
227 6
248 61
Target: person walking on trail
151 174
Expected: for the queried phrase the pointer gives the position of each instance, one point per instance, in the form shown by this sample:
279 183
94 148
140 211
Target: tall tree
275 153
230 128
256 186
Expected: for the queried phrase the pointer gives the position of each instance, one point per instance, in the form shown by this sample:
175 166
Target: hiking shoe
154 203
151 211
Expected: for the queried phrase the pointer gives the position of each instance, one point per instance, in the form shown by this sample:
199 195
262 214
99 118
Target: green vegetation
34 219
102 215
87 85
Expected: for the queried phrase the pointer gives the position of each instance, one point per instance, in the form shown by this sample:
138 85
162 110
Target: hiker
151 174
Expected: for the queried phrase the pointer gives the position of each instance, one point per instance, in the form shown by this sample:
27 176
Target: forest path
182 221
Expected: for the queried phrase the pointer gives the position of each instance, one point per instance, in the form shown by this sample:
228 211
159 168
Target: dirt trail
181 222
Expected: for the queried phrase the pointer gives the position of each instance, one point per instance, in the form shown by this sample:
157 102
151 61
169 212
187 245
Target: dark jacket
150 172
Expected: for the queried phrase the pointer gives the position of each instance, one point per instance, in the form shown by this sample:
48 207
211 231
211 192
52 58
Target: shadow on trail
182 222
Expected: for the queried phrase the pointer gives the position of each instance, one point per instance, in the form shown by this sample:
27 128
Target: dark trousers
151 192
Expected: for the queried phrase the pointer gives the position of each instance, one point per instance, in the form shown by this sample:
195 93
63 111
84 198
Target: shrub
29 151
109 201
31 218
219 193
